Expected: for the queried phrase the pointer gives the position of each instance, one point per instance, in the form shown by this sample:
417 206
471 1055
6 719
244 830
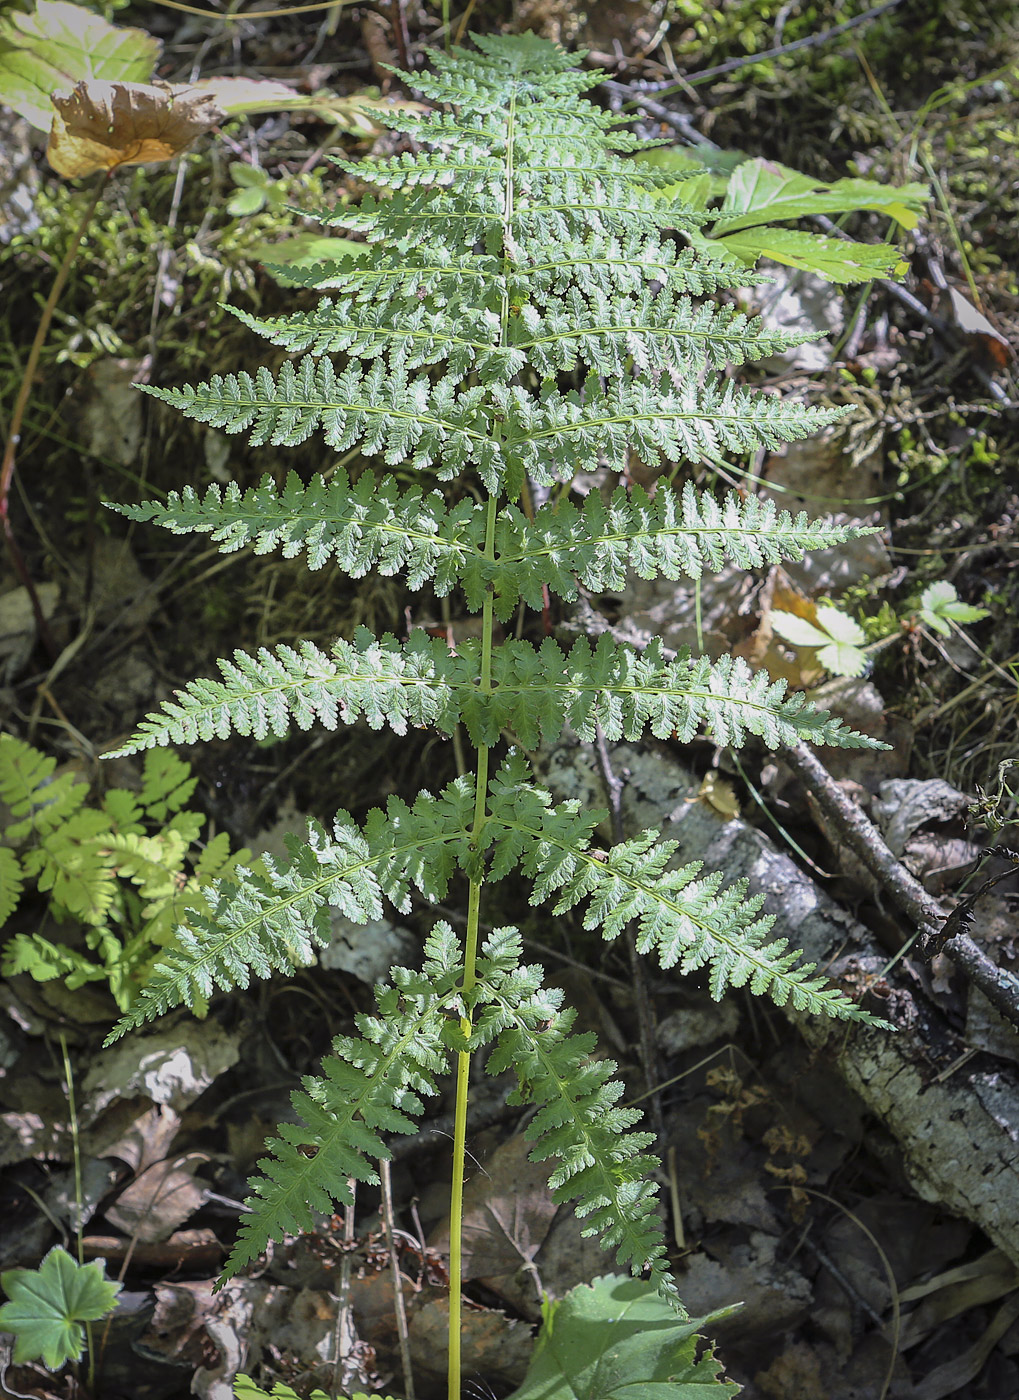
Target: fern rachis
523 313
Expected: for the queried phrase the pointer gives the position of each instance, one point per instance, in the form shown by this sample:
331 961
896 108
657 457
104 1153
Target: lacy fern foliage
524 311
124 869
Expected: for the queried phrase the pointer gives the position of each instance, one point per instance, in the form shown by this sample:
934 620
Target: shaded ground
790 1197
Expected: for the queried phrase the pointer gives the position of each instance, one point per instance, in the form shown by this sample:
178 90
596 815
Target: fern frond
401 418
552 438
29 789
684 919
419 682
370 1085
362 525
535 693
12 882
603 1166
624 692
669 535
273 921
167 785
71 863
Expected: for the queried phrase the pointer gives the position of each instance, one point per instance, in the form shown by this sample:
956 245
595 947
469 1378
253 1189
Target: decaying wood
853 827
958 1132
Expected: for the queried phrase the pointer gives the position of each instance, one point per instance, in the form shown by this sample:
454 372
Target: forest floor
867 1264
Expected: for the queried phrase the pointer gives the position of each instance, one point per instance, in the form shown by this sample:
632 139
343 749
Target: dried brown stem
9 462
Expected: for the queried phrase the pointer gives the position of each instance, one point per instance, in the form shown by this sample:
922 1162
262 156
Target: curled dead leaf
100 125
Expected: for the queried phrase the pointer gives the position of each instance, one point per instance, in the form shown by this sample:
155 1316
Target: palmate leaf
602 1163
259 923
617 1339
370 1085
48 1306
536 692
685 918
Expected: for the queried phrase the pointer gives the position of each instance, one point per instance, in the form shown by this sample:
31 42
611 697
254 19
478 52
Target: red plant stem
18 416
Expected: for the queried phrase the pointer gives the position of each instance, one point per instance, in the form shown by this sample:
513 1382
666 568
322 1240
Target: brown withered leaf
100 125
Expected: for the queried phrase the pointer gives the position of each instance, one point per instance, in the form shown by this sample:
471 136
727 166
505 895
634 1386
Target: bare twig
386 1178
851 826
677 120
812 41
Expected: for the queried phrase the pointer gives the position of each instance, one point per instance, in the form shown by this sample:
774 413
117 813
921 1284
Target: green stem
463 1063
79 1194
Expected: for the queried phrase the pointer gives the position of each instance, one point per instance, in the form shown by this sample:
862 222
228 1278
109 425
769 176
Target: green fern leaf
370 1085
602 1162
12 882
30 790
71 863
261 923
668 535
536 692
368 524
167 785
684 919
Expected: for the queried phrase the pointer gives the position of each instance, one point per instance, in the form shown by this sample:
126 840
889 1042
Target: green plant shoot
526 311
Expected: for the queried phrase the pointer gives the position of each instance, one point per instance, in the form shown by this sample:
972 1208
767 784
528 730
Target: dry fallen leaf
100 126
719 796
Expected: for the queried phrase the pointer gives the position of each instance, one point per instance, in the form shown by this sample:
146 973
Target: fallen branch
954 1127
938 933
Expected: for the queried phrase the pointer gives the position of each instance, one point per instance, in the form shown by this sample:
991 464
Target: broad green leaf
306 250
618 1339
835 259
940 606
62 44
48 1306
842 659
840 627
797 630
247 201
762 191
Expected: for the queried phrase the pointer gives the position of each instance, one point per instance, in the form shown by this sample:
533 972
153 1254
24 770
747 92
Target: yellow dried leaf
720 796
100 125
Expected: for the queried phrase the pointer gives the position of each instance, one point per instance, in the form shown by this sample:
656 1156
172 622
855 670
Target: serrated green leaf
246 201
797 630
48 1306
839 626
842 659
618 1339
762 191
246 1389
940 604
835 259
58 45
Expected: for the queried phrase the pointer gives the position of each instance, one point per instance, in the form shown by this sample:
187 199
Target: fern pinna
524 311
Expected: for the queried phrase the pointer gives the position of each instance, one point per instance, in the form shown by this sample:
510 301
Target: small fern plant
121 871
524 311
